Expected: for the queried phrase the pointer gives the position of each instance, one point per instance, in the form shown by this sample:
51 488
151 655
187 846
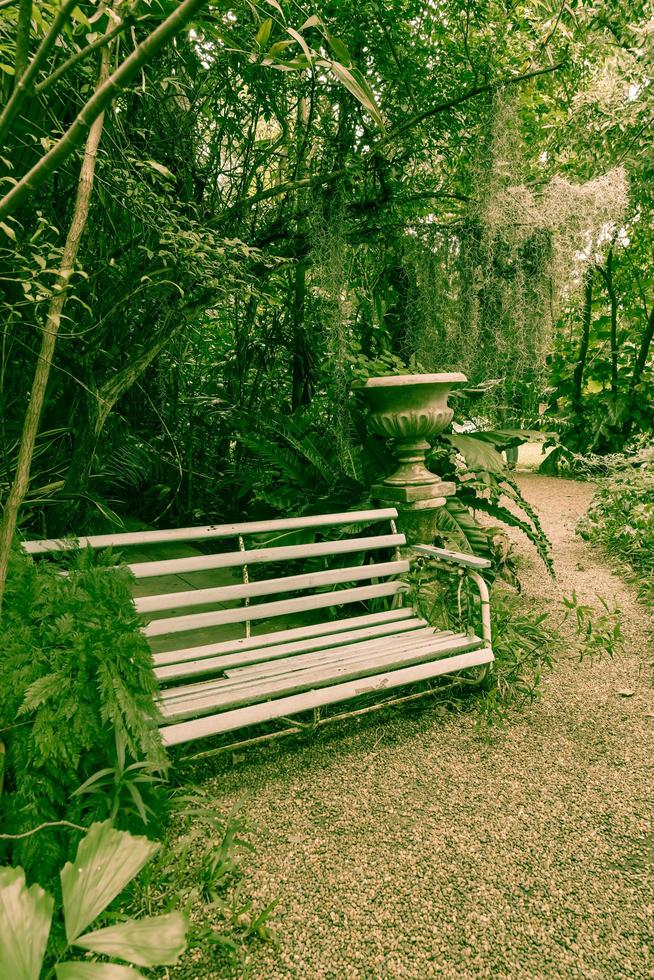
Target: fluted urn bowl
410 408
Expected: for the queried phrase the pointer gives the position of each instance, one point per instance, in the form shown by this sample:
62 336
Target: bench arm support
468 565
452 557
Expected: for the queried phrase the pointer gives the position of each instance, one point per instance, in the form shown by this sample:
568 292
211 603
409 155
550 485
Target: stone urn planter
409 408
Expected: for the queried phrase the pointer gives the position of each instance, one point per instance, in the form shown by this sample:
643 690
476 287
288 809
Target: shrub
77 676
621 520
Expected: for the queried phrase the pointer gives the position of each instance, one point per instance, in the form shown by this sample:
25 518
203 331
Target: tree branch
80 55
409 124
43 826
25 82
470 94
20 483
99 101
23 34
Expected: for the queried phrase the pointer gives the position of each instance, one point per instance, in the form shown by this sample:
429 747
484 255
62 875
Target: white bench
211 688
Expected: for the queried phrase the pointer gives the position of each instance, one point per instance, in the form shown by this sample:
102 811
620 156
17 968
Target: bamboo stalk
49 333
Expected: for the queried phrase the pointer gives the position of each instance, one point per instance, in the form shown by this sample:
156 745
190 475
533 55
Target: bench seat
350 567
292 674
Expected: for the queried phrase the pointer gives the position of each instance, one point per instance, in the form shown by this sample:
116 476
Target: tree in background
279 197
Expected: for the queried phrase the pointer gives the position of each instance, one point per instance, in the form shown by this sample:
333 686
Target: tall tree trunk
578 376
607 275
302 366
49 337
643 350
639 367
23 34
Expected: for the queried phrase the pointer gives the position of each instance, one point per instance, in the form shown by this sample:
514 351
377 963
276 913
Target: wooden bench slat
291 552
271 586
266 610
286 665
200 691
129 538
250 692
272 639
229 721
327 647
209 665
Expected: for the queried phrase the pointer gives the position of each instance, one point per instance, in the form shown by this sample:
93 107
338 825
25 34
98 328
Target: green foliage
621 520
599 633
526 643
77 683
297 469
525 640
106 861
484 484
121 788
385 365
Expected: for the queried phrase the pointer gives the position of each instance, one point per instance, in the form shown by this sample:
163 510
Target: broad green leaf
80 17
264 32
345 76
96 971
106 861
277 48
340 50
154 941
159 167
479 454
7 69
25 916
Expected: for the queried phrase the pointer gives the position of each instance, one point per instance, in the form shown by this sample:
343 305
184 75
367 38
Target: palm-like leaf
154 941
96 971
25 916
106 861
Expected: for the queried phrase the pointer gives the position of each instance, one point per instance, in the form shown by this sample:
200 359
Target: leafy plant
298 469
526 645
475 463
621 520
383 365
599 632
107 860
122 788
77 682
200 870
525 642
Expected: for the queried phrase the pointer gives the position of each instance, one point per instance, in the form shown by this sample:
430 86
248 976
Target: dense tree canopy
282 193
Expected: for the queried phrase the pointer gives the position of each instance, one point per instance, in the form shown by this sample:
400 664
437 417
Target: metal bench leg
484 596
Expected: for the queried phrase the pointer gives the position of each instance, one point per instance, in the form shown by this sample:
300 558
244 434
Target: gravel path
413 847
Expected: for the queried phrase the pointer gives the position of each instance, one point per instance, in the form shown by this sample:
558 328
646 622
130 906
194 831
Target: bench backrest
324 588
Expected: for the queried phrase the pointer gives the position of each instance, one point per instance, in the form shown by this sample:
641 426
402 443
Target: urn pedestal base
412 494
416 507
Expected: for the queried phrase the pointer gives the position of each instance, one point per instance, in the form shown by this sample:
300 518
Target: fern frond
503 514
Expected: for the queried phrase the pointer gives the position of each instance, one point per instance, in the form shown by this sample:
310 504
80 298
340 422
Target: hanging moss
490 290
331 273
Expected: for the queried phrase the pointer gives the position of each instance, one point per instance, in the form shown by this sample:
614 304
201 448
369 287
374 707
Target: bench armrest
475 564
453 557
